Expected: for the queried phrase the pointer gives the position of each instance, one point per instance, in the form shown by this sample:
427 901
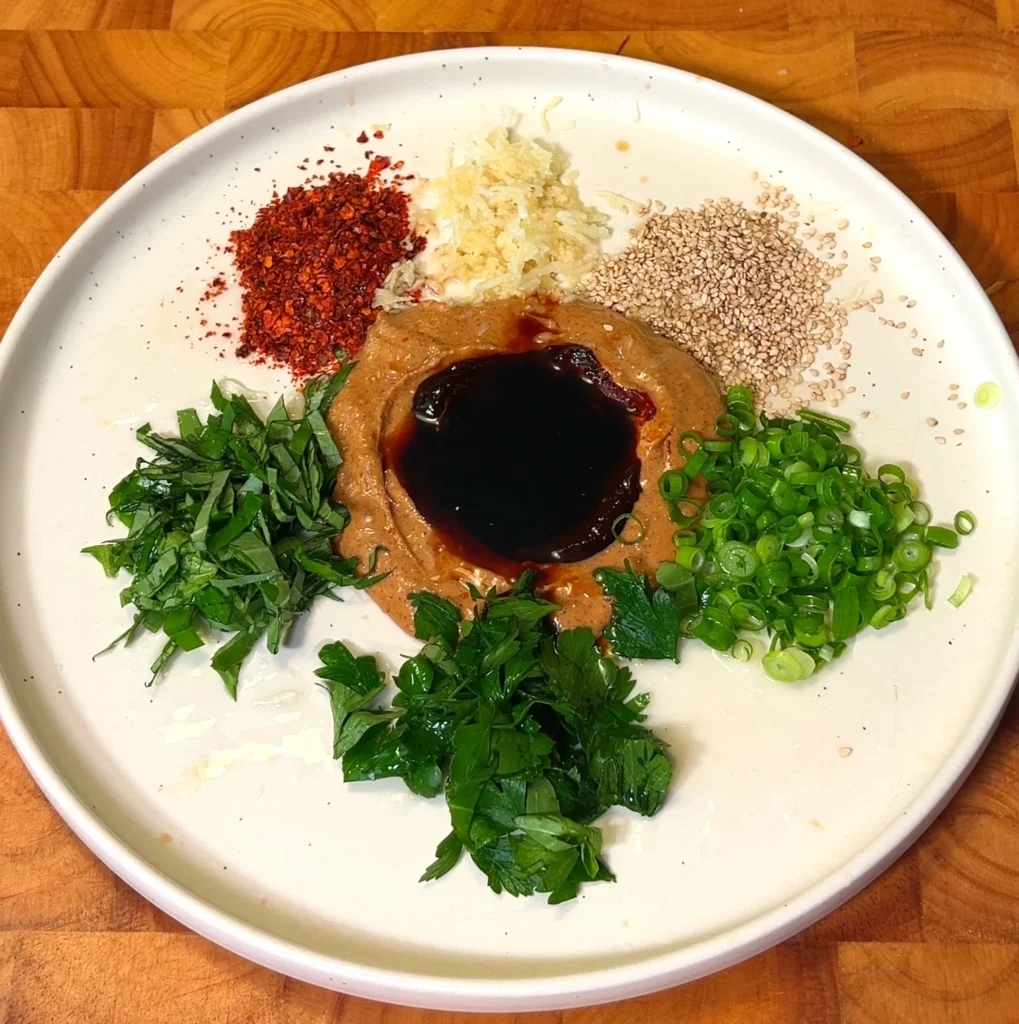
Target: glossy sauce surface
526 458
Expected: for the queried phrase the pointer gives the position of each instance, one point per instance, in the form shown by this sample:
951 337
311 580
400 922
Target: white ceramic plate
766 828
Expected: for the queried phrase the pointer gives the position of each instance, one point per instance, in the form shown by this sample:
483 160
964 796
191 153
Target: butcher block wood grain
925 90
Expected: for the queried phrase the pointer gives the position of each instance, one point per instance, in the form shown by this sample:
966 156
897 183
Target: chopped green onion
859 519
767 547
619 524
691 558
845 620
921 512
987 395
942 536
829 515
810 631
882 586
911 555
685 512
742 650
737 559
673 484
789 665
747 614
715 634
833 423
795 537
962 591
886 614
689 441
904 517
894 473
965 522
695 462
739 395
672 576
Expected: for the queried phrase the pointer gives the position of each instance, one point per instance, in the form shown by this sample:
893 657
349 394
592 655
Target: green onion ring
742 650
987 395
619 524
965 523
789 665
673 484
962 591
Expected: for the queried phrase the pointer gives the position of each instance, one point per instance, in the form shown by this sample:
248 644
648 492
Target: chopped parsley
530 733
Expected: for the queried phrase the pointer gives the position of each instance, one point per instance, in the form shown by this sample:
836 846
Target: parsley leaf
435 618
447 853
645 621
352 683
530 733
629 767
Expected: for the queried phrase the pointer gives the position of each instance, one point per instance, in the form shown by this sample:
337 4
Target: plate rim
605 984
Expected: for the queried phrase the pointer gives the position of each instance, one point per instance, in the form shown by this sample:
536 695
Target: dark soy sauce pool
522 458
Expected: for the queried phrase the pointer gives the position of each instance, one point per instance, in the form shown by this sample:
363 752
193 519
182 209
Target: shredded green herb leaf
230 526
531 733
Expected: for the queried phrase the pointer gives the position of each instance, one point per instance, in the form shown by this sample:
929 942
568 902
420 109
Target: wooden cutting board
926 90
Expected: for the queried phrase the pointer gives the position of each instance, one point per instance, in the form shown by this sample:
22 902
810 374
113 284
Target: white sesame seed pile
735 287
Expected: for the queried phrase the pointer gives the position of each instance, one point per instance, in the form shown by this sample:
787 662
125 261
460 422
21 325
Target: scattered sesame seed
734 286
931 421
911 304
953 387
608 327
941 344
912 333
939 439
842 225
845 751
905 394
958 431
918 351
867 245
961 405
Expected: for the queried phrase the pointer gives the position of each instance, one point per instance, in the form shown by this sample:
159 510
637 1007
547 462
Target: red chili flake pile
311 263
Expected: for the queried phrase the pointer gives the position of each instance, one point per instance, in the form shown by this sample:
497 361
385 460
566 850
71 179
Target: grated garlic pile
511 222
